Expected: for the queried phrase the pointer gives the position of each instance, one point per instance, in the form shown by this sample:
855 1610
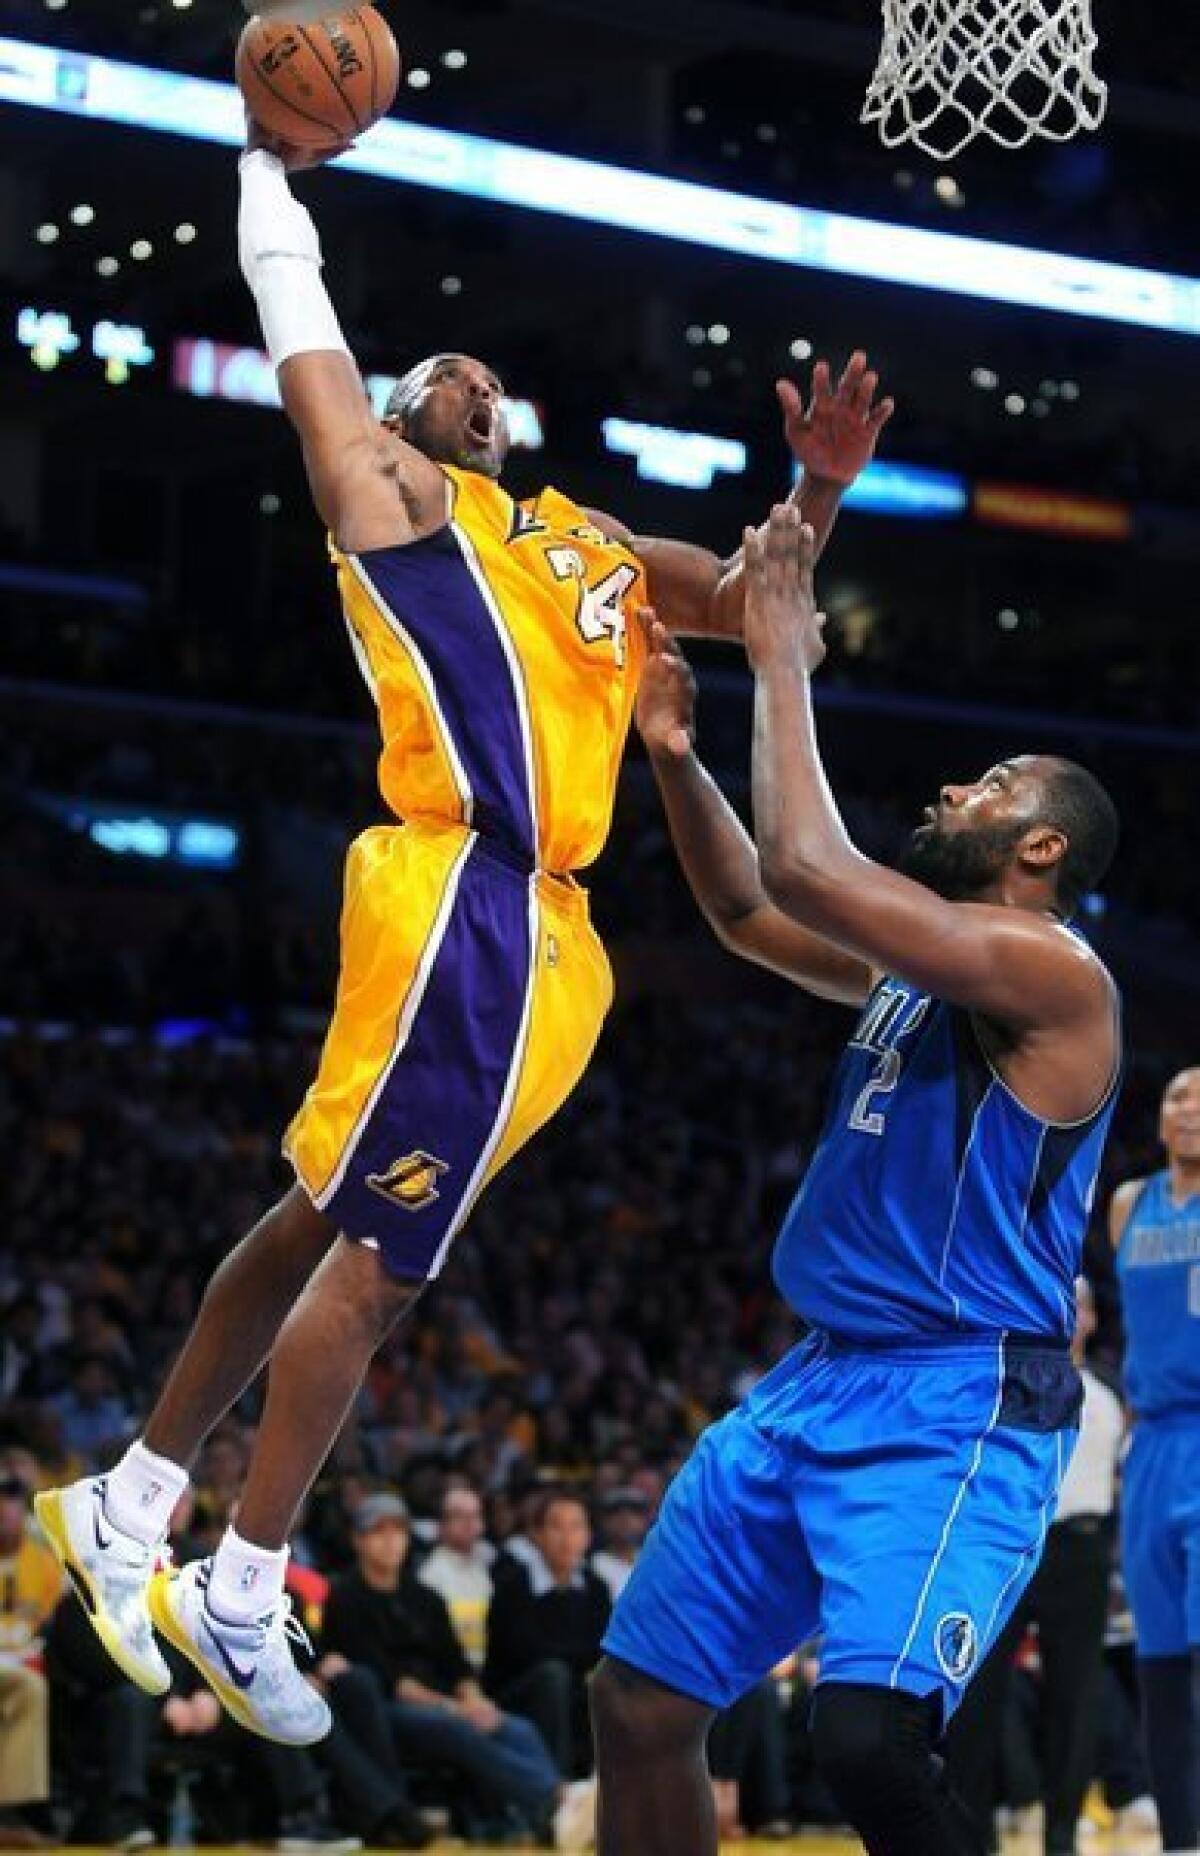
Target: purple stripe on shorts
439 1109
432 591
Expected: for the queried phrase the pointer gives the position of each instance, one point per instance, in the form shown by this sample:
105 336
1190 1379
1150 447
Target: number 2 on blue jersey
886 1075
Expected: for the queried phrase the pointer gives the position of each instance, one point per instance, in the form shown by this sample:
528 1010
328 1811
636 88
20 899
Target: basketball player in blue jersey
888 1485
1155 1226
500 643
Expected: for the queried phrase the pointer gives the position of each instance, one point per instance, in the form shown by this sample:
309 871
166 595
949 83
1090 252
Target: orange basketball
322 83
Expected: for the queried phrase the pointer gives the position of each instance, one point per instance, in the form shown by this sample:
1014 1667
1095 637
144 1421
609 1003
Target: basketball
318 84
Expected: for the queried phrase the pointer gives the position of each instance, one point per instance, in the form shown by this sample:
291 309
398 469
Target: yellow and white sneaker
249 1667
110 1572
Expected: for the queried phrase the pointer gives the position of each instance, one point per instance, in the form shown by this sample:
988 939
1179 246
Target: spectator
94 1414
548 1614
747 1756
460 1569
19 1356
381 1617
624 1524
30 1584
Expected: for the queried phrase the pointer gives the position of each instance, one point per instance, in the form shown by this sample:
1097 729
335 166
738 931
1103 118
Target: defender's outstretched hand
666 704
835 436
782 621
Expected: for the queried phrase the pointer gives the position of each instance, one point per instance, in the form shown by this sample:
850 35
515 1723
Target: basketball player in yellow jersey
499 642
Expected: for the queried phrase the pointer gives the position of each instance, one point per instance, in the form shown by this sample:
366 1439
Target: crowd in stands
95 938
207 645
459 1556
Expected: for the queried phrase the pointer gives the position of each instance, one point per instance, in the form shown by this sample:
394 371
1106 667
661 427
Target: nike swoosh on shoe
241 1678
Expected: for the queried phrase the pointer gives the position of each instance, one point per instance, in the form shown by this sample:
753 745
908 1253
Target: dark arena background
186 749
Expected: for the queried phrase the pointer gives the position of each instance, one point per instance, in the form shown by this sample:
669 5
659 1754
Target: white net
950 70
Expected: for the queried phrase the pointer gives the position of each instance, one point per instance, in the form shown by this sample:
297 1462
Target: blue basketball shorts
892 1502
1160 1533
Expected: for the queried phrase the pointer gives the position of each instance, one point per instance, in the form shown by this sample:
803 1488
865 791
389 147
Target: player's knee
632 1714
871 1745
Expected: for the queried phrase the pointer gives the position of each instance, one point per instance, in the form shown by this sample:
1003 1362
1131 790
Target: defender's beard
960 864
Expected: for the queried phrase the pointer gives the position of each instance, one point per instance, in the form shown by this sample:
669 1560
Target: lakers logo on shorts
410 1183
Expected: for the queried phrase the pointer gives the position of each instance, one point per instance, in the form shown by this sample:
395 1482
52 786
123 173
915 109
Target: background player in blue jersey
1155 1226
889 1484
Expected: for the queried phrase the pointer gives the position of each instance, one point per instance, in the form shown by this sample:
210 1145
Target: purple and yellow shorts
471 996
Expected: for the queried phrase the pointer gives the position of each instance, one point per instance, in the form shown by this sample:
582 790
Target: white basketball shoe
249 1667
111 1574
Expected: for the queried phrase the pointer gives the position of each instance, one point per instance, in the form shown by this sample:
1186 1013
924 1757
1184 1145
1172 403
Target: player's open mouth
480 427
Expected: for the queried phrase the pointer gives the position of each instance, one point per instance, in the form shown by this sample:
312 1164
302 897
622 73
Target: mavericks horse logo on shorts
956 1642
410 1183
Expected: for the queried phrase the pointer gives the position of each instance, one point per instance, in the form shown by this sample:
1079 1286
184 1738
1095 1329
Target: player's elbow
806 888
787 876
733 932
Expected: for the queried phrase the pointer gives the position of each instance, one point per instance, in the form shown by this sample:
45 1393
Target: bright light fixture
40 76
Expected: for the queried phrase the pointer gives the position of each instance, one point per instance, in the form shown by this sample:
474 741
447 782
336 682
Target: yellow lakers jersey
503 655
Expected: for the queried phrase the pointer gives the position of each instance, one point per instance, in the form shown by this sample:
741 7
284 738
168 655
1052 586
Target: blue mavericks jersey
1158 1264
935 1202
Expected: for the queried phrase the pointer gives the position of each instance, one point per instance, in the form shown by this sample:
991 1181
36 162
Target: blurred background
185 748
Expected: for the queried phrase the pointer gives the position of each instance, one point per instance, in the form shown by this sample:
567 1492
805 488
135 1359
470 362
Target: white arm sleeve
281 261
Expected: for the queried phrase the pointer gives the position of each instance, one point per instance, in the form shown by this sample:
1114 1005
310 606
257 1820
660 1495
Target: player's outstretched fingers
785 523
781 551
647 618
855 367
789 397
665 648
864 393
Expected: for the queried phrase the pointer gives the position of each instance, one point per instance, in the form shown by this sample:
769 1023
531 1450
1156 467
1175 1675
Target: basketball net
951 70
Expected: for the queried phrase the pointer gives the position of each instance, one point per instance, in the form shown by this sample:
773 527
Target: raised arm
1013 966
718 858
369 487
697 593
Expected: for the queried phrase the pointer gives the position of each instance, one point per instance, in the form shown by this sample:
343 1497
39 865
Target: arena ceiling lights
106 90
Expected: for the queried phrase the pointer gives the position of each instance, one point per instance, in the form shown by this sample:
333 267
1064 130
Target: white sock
246 1580
141 1491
